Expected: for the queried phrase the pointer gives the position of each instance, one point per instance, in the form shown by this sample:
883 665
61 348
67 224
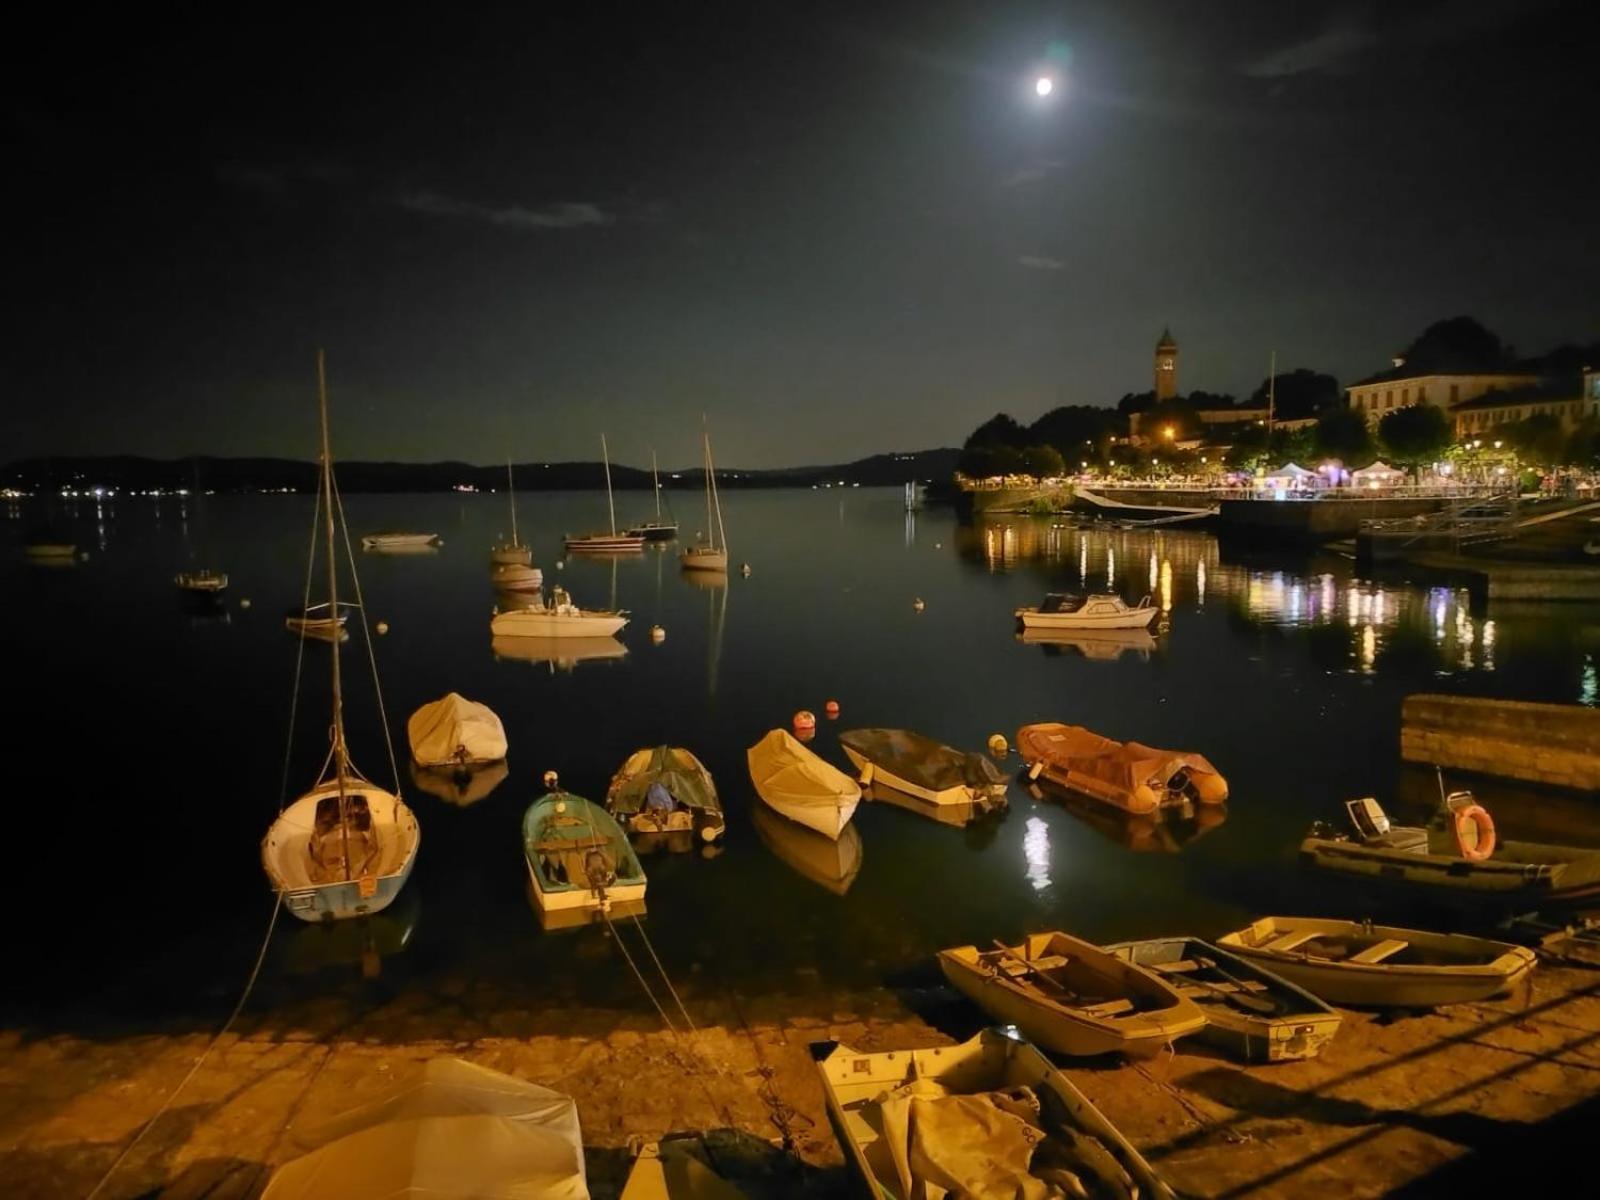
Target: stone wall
1555 744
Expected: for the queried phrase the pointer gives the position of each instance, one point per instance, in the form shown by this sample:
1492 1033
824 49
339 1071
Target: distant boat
318 621
400 540
517 577
346 847
802 786
50 550
921 767
577 856
605 543
202 582
1135 778
559 618
512 552
666 789
712 554
1062 611
661 529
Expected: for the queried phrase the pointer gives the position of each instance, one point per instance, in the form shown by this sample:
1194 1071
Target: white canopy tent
1379 474
452 1131
455 731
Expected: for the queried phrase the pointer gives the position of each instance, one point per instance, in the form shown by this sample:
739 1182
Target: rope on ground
783 1114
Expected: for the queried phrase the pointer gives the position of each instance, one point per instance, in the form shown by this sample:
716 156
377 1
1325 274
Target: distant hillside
128 474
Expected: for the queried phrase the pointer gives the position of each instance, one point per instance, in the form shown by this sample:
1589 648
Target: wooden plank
1379 952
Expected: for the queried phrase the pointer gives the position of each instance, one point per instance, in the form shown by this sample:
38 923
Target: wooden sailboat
712 554
606 543
512 553
661 529
346 847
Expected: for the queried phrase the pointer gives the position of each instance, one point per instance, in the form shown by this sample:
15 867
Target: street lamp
1168 433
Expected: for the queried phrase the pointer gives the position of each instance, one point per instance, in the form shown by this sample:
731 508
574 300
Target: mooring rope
300 656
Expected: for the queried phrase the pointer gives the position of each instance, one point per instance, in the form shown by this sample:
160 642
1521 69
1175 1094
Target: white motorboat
512 552
1061 611
559 617
205 581
712 554
517 577
346 847
605 543
400 540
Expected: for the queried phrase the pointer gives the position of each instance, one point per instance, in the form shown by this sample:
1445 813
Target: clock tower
1166 367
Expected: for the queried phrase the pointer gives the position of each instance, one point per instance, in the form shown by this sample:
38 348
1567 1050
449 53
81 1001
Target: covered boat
1060 610
1135 778
456 732
924 768
1072 997
802 786
1146 833
1379 966
1249 1011
578 857
560 617
832 863
665 789
988 1117
448 1130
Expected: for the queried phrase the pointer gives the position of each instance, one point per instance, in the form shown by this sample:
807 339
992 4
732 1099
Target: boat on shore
203 582
1136 778
557 618
666 789
988 1117
801 786
578 858
605 542
396 539
1362 965
319 622
923 768
1072 997
711 554
1249 1011
1062 610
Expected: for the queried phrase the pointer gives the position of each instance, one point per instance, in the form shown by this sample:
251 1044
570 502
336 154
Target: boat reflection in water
959 815
832 864
1167 833
362 942
564 653
461 785
1101 645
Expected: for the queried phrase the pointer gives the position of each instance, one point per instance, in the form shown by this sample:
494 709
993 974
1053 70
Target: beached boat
346 847
578 857
1379 966
663 528
204 582
396 539
455 732
516 577
1131 776
560 617
802 786
924 768
711 554
988 1117
1431 860
1059 610
1250 1012
512 553
832 863
665 789
610 542
1072 997
318 621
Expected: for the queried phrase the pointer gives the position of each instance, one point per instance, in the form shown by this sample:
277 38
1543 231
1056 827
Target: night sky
836 229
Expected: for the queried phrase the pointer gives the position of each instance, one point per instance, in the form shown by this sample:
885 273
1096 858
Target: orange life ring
1481 845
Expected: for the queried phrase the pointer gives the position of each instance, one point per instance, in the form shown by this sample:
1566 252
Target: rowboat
1060 610
400 540
455 732
203 582
924 768
831 863
560 617
317 621
1133 777
801 786
665 789
577 856
913 1121
1379 966
1249 1011
1072 997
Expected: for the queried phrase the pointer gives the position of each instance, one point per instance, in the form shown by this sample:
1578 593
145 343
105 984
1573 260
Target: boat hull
799 785
703 558
400 541
879 768
604 543
541 835
532 623
651 531
284 855
510 556
1523 878
517 577
1118 773
1133 618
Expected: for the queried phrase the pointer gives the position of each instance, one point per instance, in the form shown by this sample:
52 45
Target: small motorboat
988 1117
1250 1012
578 857
832 863
665 789
1135 778
559 617
1379 966
395 539
801 786
204 582
1061 610
318 621
924 768
456 732
517 577
1072 997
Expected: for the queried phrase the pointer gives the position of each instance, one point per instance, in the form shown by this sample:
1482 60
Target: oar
1242 997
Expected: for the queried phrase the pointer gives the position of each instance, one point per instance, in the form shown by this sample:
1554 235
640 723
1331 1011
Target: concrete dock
1555 744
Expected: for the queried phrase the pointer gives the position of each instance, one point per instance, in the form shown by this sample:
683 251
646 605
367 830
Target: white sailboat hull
517 577
286 856
605 543
705 558
504 556
530 622
399 541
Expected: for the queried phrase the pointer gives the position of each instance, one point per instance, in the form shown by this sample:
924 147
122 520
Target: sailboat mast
340 754
705 460
711 474
655 477
511 486
605 456
1272 389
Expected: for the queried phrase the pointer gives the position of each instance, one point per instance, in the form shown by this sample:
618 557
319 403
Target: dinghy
1135 778
455 732
578 857
924 768
801 786
1379 966
987 1117
832 863
665 789
1059 610
1249 1011
557 618
394 539
318 621
1071 997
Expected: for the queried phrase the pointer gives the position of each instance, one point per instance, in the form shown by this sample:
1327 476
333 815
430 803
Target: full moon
1044 85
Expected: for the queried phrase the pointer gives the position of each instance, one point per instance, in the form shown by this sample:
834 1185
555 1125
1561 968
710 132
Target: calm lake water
149 739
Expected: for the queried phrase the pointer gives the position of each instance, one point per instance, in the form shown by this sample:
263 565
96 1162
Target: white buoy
657 634
917 605
383 627
938 545
245 603
745 570
561 564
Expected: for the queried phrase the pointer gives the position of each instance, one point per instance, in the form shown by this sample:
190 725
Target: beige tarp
455 730
450 1132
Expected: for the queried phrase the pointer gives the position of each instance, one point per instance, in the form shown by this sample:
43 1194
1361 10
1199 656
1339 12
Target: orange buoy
831 708
1474 829
805 719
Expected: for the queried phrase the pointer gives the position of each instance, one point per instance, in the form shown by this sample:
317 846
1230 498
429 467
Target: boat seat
1107 1008
1289 941
1015 968
1182 964
1378 952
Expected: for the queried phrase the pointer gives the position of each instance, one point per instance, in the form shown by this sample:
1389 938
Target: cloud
1039 262
1327 51
1039 168
566 215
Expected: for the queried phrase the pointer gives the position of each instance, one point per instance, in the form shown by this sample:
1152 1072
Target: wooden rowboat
1380 966
1072 997
802 786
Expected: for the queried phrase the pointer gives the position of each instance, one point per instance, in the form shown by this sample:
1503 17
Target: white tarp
1378 472
455 730
451 1131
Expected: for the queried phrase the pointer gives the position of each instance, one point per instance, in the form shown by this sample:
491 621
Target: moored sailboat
512 553
605 543
711 554
661 529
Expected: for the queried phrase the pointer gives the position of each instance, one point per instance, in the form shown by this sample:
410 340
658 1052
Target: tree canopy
1298 393
1342 433
1456 344
1417 433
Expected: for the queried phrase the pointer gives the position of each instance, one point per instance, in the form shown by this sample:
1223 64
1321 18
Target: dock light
1497 445
1043 86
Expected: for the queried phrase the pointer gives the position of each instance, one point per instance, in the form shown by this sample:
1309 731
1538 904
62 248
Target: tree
1043 462
1299 393
1456 344
999 430
986 460
1135 402
1078 431
1342 433
1415 434
1538 439
1583 444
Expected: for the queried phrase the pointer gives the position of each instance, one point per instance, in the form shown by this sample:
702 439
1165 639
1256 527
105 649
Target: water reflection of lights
1111 567
1200 581
1487 645
1036 850
1166 585
1083 558
1589 686
1369 649
1155 569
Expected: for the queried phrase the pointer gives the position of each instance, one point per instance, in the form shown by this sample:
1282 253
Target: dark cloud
568 215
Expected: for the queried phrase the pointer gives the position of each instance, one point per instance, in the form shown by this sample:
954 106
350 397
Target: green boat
579 860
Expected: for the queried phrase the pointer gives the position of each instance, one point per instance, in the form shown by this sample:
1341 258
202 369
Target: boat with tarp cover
665 789
1135 778
801 786
921 767
578 857
456 732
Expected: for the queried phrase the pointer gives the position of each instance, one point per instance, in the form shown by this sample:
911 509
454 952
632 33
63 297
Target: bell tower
1166 367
